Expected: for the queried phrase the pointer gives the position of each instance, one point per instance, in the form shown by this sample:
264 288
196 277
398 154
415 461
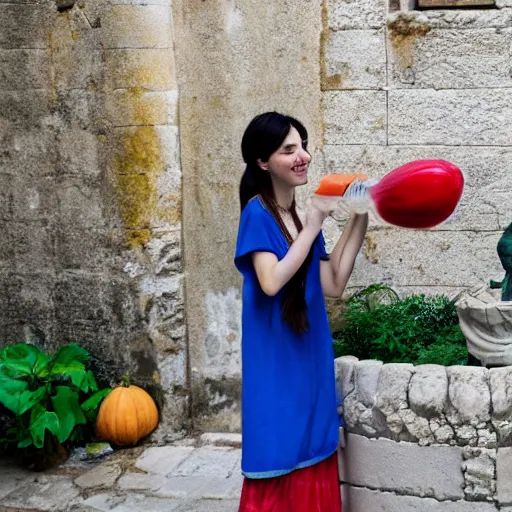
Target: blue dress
289 407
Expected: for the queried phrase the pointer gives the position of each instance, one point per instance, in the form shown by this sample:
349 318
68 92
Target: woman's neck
284 196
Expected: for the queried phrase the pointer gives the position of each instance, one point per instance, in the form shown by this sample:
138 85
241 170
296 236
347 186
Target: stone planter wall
425 437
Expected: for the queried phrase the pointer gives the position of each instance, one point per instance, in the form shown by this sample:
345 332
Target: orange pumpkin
126 415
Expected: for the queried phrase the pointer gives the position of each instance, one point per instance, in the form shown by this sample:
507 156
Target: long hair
264 136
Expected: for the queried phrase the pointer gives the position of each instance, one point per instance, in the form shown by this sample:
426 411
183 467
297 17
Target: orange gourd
337 184
126 415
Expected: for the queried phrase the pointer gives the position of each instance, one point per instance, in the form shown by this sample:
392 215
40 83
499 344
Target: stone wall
401 86
90 187
425 438
92 153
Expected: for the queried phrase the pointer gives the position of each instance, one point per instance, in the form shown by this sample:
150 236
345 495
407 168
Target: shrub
415 329
53 400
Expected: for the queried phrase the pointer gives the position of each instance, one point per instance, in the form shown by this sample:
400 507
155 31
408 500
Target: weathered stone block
486 170
79 65
107 502
151 69
450 117
19 109
41 495
80 203
24 69
78 153
354 59
135 107
24 25
34 243
445 59
28 306
392 394
33 198
344 369
367 500
366 380
469 395
140 482
427 258
163 460
208 461
28 152
103 476
137 26
431 471
500 380
503 476
479 474
222 338
6 196
361 14
428 390
11 476
164 250
88 249
355 117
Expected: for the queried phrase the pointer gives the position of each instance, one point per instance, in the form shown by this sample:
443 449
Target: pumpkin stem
126 380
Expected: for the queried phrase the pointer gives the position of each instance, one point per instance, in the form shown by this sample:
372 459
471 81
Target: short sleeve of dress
256 233
321 244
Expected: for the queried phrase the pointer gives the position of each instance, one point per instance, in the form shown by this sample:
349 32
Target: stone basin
486 323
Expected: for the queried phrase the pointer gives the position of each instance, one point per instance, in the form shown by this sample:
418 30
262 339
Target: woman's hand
318 209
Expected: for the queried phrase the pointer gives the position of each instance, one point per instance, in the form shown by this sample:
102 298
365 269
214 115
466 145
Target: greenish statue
505 254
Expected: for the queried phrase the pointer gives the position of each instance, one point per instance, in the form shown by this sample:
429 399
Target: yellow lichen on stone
329 82
139 152
138 237
137 200
404 30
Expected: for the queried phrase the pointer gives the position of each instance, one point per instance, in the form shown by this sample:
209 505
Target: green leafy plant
54 400
415 329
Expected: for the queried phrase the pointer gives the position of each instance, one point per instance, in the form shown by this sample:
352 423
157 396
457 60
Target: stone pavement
191 475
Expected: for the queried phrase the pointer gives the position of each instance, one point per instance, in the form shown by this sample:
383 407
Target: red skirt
312 489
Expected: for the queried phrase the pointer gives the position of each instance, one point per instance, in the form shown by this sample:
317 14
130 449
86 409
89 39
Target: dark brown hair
264 136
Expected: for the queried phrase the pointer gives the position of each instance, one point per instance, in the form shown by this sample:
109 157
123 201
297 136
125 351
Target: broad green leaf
29 398
67 408
10 391
93 386
94 401
73 370
40 421
41 365
19 360
70 354
25 443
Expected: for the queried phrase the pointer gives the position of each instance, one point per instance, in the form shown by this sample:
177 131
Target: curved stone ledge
425 437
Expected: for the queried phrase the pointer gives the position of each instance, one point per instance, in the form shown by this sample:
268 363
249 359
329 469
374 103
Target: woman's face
289 164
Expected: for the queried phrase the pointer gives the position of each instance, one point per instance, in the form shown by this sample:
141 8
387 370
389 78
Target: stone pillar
236 59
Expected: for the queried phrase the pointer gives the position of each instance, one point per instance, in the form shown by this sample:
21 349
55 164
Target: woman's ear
262 165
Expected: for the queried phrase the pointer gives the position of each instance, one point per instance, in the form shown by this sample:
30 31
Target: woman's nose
304 156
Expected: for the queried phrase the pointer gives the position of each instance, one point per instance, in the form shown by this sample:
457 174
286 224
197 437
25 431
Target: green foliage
51 398
415 329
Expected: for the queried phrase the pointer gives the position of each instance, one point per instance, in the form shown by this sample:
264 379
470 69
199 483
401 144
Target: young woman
290 427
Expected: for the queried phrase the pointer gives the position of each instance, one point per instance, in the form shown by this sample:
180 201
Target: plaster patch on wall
223 329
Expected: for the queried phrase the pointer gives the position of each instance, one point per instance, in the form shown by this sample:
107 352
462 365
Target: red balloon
420 194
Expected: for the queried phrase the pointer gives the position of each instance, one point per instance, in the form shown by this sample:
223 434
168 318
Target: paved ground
193 475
